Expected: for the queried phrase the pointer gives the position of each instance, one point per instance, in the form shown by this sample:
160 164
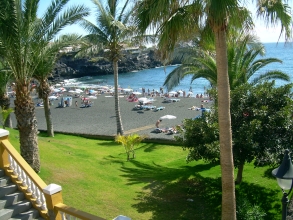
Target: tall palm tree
22 38
176 18
44 69
112 30
242 66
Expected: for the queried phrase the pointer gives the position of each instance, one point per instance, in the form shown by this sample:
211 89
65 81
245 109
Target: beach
100 119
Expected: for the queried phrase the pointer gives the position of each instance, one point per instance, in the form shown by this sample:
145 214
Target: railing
47 199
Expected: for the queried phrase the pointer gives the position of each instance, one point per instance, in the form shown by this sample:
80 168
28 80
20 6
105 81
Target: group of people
132 98
171 130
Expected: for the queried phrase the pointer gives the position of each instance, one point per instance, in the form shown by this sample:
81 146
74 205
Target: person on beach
203 109
76 105
158 123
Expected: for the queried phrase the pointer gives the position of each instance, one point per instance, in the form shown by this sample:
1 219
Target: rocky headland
69 66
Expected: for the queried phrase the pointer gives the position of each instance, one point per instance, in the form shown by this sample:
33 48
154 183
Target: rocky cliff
69 67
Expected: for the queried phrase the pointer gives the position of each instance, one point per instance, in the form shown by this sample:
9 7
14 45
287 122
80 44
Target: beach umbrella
52 97
172 92
168 117
71 91
56 90
105 87
78 90
128 90
142 99
137 93
92 97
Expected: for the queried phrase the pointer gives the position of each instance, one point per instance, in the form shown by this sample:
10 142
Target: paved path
139 129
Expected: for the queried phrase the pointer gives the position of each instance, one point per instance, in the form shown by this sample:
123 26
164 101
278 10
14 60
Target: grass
96 177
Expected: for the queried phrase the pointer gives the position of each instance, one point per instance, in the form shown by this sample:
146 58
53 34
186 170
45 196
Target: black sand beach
100 120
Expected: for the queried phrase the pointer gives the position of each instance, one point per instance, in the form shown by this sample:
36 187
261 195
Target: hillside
70 67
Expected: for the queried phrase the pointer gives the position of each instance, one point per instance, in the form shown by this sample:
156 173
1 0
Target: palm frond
271 75
274 12
69 16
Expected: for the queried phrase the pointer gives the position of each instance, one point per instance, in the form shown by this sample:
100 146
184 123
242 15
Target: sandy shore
100 118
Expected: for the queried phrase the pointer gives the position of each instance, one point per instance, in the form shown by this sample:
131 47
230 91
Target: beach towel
159 108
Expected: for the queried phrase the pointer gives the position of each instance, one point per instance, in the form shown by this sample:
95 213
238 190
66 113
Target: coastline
100 120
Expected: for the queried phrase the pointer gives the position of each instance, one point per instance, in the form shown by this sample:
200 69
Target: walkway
138 129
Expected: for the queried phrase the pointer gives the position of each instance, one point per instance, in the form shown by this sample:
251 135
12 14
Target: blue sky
265 34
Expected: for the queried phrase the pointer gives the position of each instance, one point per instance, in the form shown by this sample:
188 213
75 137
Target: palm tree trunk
239 173
43 92
226 154
48 116
116 95
28 132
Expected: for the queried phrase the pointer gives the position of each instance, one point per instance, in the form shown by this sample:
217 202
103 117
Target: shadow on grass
149 147
268 173
43 134
182 193
170 194
263 197
108 143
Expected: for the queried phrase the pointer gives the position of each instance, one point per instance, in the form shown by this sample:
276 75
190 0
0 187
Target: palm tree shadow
182 193
260 196
107 143
171 194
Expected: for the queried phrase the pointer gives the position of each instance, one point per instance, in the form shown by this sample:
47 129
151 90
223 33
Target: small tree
129 141
262 127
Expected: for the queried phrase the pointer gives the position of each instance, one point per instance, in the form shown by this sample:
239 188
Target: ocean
153 79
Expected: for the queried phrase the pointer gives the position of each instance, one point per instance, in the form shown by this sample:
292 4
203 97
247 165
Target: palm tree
111 31
176 18
44 68
23 37
129 142
242 65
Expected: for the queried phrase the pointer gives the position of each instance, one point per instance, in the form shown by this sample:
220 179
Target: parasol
168 117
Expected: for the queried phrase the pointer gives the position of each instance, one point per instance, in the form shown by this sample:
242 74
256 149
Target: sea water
153 79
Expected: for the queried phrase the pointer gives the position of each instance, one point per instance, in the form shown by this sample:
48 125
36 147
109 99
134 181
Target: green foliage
247 211
201 139
5 78
262 127
112 28
158 175
5 113
244 61
129 142
262 123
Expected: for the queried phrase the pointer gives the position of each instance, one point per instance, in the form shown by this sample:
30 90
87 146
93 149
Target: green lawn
96 177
